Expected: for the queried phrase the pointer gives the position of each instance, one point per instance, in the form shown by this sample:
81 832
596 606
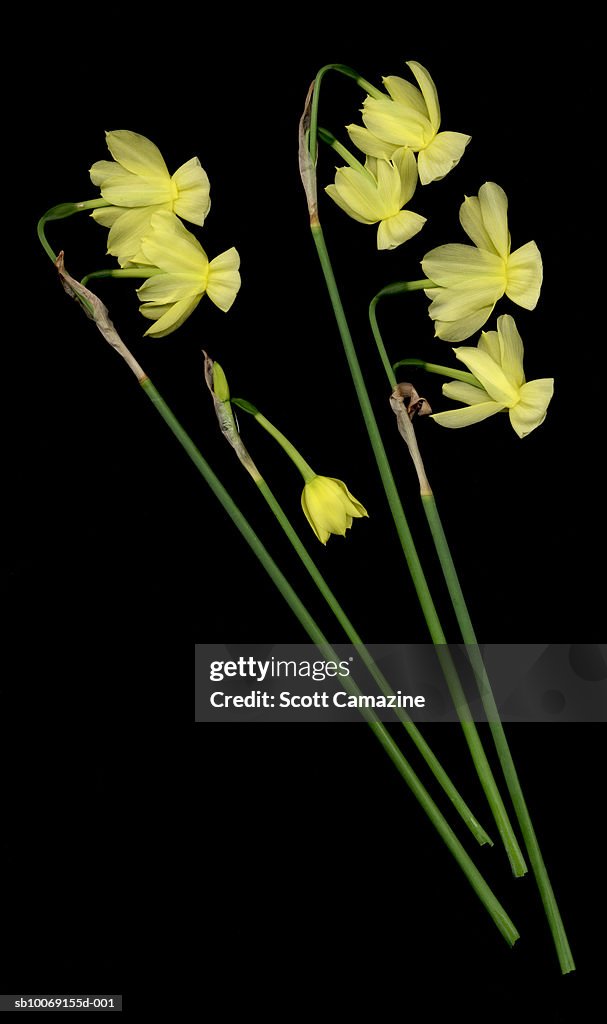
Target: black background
280 868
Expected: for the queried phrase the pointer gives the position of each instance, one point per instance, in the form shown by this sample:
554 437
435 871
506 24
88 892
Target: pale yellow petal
456 263
335 195
405 93
126 189
101 170
173 318
494 211
489 342
525 273
224 279
406 165
193 186
458 302
399 125
511 350
388 187
137 154
471 219
459 330
359 193
124 239
393 231
429 92
461 391
169 288
489 374
441 156
368 143
467 415
108 215
172 248
531 410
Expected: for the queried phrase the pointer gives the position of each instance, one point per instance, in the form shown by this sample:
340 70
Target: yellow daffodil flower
409 117
377 193
471 279
497 364
183 275
137 184
329 507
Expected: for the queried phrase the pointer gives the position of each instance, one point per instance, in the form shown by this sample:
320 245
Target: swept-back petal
525 273
459 330
101 170
489 342
172 248
173 318
400 125
405 93
126 189
441 155
467 415
124 239
531 410
511 350
223 280
456 263
455 303
471 219
429 92
360 193
393 231
107 215
137 154
335 194
405 163
494 211
369 143
169 288
461 391
193 201
389 186
490 375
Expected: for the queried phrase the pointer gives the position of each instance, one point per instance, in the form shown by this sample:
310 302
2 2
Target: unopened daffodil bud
137 184
409 116
377 193
497 365
220 383
471 278
329 507
183 275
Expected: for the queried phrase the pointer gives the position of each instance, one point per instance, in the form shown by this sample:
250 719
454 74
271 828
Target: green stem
345 154
462 614
137 272
306 471
60 212
538 866
437 635
476 880
425 750
443 371
349 72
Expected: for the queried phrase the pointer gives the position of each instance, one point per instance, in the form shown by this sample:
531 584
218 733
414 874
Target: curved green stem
306 471
60 212
349 72
137 272
345 154
443 371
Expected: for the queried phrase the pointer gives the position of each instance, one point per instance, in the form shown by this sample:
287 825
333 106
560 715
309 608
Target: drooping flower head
329 507
184 275
497 365
409 117
471 278
377 193
137 184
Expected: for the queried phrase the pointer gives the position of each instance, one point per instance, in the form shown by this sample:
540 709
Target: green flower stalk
218 386
422 589
100 316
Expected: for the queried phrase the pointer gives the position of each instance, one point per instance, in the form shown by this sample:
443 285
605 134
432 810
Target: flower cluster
403 122
143 204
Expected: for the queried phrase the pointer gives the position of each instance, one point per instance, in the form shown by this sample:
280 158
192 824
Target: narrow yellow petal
173 318
468 415
461 391
429 92
511 350
494 211
456 263
137 154
471 219
406 165
368 143
405 93
489 374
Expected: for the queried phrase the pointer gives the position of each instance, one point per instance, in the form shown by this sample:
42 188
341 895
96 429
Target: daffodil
377 193
329 507
471 278
181 274
497 365
137 184
409 117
